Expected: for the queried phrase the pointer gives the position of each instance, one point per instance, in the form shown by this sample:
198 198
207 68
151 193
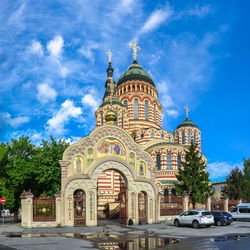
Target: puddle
70 235
229 237
105 240
138 243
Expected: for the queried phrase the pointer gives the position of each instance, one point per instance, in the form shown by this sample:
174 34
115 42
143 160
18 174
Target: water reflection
138 243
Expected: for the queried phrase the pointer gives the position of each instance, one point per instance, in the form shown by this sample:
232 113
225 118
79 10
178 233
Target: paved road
92 237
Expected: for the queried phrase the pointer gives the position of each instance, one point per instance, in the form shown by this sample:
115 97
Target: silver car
195 218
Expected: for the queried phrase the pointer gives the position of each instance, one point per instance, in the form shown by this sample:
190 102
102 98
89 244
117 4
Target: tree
193 178
246 172
47 167
235 184
16 170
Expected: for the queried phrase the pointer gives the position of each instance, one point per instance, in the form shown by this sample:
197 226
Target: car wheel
208 226
196 224
218 223
176 223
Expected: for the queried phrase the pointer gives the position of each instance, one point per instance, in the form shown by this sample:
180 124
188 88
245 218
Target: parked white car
196 218
241 212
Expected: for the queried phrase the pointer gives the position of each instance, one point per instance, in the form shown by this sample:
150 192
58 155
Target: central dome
135 72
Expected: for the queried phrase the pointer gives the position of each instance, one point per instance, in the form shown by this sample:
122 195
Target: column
185 203
58 208
27 209
226 205
208 205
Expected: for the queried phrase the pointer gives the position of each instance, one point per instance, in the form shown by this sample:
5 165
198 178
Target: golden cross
109 53
135 48
187 110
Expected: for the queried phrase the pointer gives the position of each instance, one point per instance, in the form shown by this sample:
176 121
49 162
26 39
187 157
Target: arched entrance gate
138 201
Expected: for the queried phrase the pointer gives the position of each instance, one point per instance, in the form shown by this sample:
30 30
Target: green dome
187 123
135 72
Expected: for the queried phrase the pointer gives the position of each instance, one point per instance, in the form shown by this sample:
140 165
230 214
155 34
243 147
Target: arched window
195 138
189 137
125 103
169 161
162 136
136 109
116 122
166 192
158 161
173 192
183 137
142 135
152 134
179 161
155 112
146 109
122 120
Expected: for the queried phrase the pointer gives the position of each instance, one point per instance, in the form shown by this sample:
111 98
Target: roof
187 123
135 72
114 101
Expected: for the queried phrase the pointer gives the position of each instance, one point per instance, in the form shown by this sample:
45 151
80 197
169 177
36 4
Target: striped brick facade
144 124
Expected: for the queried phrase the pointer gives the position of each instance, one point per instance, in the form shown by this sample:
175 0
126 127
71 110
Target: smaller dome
110 117
114 101
187 123
135 72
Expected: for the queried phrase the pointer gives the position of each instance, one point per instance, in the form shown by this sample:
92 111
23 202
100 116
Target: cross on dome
109 53
135 48
187 111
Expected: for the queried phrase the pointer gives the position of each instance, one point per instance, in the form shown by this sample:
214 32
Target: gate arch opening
142 207
79 208
112 196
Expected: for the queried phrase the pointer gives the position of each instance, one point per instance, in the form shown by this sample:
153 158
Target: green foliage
24 166
238 183
234 184
16 170
47 168
193 178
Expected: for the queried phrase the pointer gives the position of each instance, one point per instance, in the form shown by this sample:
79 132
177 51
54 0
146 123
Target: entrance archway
79 208
112 196
142 207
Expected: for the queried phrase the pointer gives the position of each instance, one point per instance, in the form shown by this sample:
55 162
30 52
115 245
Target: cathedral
128 162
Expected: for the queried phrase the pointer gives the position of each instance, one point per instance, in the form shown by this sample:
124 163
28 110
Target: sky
53 67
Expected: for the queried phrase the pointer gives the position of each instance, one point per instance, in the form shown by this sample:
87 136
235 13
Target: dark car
222 218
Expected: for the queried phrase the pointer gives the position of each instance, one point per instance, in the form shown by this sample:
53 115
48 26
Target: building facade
128 162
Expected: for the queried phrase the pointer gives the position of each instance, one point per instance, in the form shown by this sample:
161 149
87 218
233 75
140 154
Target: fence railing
171 205
44 209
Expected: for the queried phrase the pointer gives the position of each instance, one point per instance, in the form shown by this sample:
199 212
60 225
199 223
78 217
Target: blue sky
53 67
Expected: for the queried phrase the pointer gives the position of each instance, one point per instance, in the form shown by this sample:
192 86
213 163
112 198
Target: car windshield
206 213
227 214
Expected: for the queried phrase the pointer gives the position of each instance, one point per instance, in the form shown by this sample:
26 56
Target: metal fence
171 205
44 209
217 205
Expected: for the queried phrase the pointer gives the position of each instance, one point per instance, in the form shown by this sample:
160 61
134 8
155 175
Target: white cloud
219 170
165 97
172 112
88 50
126 3
36 48
199 11
156 19
56 124
90 100
6 118
55 46
45 93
